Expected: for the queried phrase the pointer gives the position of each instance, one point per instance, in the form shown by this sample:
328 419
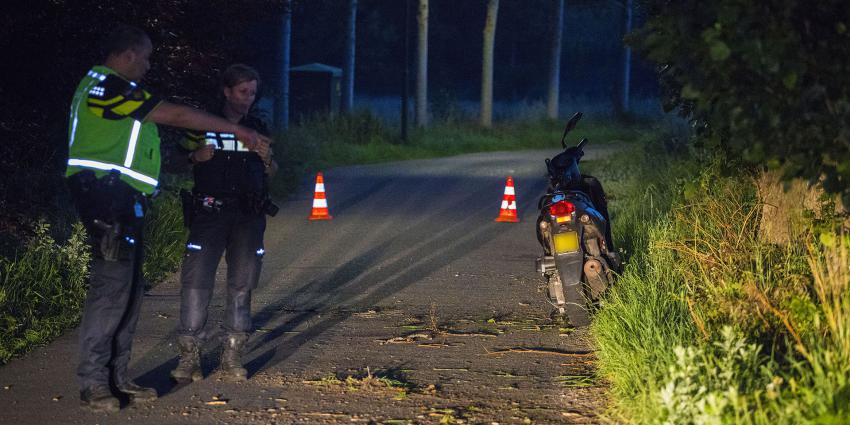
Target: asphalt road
412 280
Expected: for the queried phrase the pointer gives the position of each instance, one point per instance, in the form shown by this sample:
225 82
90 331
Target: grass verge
710 324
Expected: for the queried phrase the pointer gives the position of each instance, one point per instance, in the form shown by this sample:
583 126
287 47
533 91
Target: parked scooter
579 261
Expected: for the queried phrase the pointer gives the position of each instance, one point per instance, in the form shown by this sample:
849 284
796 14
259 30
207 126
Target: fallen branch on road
537 351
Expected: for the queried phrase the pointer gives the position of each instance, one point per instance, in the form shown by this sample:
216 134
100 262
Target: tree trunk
348 68
281 107
783 204
422 66
621 99
487 64
553 97
405 90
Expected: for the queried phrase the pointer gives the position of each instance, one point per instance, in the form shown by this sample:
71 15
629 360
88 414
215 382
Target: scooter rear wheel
570 269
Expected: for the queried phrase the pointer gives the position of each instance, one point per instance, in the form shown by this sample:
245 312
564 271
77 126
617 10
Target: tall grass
637 318
42 290
43 287
709 323
824 370
165 238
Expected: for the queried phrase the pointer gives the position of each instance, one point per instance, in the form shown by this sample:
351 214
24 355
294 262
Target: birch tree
348 68
281 107
487 64
422 66
553 94
405 90
621 99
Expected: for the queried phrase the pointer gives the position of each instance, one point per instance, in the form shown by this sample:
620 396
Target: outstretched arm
168 113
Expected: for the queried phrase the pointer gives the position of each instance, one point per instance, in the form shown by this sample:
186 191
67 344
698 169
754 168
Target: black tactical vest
231 172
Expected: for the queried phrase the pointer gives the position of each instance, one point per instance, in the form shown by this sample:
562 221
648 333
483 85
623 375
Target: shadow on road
375 274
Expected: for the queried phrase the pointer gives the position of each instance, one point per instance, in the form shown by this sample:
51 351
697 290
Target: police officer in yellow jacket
113 168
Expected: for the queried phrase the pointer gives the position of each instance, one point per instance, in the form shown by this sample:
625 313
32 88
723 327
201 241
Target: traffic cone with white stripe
320 203
508 211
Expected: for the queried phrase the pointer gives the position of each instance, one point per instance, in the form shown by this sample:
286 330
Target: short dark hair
124 38
238 73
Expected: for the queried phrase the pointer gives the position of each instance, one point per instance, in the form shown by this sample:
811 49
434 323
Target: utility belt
112 212
251 203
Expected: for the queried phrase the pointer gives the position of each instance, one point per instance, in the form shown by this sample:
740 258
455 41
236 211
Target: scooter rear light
561 208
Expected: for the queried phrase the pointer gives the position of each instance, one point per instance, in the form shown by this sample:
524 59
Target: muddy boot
137 393
99 399
189 368
231 357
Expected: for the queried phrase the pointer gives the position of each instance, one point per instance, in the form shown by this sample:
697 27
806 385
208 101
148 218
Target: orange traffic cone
508 211
320 203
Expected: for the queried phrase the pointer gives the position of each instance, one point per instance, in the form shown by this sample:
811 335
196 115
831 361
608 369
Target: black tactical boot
137 393
99 399
189 368
231 357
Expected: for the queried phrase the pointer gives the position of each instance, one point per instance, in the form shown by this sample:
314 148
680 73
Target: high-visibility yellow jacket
107 130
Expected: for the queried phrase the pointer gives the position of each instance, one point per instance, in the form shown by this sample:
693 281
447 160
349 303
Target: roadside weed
382 380
433 320
575 381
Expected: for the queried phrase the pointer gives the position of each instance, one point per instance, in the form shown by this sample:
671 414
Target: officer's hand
250 138
204 153
265 152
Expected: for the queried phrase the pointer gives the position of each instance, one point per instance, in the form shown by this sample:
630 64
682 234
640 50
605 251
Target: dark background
591 46
49 45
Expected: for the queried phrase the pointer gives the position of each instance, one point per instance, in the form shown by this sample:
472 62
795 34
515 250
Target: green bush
42 290
766 81
727 381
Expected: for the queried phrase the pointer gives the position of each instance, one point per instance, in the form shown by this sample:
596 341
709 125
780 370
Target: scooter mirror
571 124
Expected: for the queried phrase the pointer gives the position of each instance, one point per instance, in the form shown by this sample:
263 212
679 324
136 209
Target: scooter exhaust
596 277
545 264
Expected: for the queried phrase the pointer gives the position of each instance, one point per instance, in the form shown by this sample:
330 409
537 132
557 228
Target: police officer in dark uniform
226 215
113 169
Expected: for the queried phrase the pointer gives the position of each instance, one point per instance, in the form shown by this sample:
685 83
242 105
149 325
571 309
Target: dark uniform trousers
110 315
239 233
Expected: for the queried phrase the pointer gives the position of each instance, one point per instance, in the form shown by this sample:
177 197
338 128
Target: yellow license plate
566 242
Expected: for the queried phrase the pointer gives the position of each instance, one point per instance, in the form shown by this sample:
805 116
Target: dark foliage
50 46
766 82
